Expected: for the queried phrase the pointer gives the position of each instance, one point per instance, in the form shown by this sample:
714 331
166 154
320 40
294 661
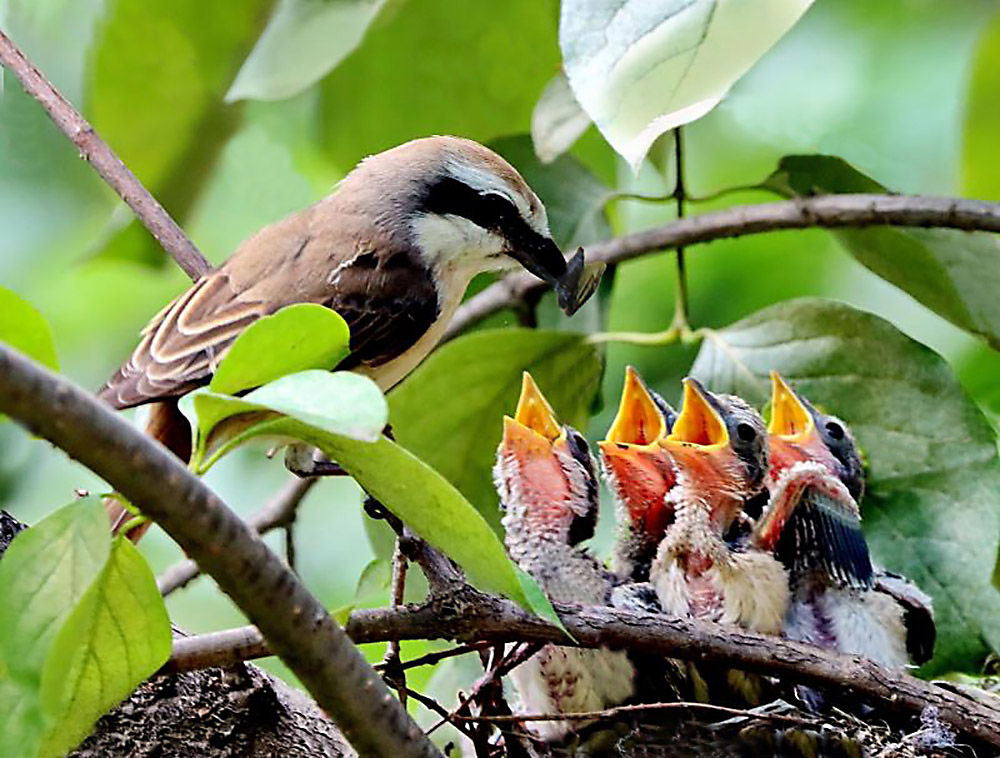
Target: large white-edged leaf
642 67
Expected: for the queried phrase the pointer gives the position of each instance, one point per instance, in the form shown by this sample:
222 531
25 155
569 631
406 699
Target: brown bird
392 250
639 473
547 484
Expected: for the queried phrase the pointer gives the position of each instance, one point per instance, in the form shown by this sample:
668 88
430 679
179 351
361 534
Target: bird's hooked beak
640 471
573 280
792 428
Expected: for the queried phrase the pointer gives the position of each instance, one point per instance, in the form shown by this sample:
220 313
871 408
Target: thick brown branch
275 513
108 165
826 211
295 623
469 616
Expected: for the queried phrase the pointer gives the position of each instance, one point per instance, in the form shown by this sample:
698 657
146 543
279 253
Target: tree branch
108 165
295 623
277 512
469 616
825 211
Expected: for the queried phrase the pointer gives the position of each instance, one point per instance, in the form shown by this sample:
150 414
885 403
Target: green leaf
980 159
181 57
25 329
954 273
115 638
373 584
296 338
43 575
449 411
342 403
303 41
434 67
557 120
411 489
574 197
932 506
640 69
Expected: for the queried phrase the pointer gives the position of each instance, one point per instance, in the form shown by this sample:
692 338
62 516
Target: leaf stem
680 321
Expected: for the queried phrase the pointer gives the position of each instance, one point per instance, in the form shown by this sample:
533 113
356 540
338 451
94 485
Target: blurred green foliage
904 90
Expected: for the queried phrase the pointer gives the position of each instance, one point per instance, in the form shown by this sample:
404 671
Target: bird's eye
746 432
835 430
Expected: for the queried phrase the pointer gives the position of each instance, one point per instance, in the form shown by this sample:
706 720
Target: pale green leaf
557 120
303 41
25 329
640 68
373 584
932 507
954 273
43 575
342 403
296 338
450 410
116 637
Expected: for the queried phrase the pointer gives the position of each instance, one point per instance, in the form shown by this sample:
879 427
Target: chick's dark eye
746 432
835 430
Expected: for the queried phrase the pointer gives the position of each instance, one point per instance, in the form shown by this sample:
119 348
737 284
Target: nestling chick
639 473
545 477
813 524
719 448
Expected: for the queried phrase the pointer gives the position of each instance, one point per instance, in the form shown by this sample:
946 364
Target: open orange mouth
534 412
790 419
639 421
700 423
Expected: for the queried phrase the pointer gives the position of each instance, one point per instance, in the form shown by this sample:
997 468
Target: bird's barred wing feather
813 524
387 307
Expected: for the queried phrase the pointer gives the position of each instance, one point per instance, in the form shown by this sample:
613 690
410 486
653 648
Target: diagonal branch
277 512
469 616
824 211
108 165
294 622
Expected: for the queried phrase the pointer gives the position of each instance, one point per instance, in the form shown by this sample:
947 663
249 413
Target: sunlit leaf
303 41
43 575
25 329
954 273
932 507
372 586
116 637
557 120
640 68
296 338
342 403
980 159
450 410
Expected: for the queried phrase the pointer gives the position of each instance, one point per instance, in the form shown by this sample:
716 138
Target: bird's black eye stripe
489 210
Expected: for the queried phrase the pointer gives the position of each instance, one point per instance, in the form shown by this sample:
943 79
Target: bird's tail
169 427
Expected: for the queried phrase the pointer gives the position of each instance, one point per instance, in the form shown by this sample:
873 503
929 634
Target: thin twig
295 624
276 513
104 160
639 708
392 671
826 211
431 659
512 660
